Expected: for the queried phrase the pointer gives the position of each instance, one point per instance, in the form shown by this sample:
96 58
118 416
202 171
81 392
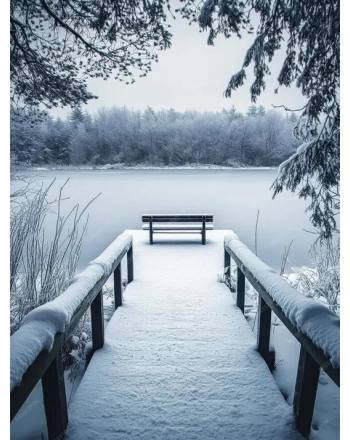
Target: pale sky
192 75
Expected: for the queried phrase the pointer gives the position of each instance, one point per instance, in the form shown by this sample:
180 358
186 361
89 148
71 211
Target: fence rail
311 358
48 365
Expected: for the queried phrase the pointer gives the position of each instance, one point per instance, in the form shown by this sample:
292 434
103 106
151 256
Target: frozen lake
233 196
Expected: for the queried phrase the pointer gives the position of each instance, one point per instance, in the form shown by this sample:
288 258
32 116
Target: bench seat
176 227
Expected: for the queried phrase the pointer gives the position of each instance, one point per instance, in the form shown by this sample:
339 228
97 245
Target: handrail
313 356
48 364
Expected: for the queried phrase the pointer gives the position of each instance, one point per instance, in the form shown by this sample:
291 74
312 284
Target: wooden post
130 264
305 391
55 401
203 231
150 230
97 322
264 330
240 289
227 264
118 293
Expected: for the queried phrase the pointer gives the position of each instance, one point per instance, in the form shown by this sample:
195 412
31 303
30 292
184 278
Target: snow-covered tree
26 142
80 145
57 45
252 110
57 139
165 137
77 116
234 113
311 31
261 110
293 118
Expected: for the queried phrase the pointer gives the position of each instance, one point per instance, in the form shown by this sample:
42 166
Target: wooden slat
118 292
179 227
151 230
97 322
130 264
177 217
240 290
318 354
264 330
173 231
227 266
55 402
305 391
203 230
35 372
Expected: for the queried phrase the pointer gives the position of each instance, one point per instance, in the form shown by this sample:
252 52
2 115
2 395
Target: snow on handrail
310 317
39 328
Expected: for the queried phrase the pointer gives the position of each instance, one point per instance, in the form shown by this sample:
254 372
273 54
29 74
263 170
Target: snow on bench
310 317
40 326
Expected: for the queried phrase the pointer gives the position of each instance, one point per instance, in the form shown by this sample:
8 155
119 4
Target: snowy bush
74 352
322 281
41 267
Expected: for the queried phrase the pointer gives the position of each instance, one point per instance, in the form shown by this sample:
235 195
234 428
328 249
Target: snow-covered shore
140 167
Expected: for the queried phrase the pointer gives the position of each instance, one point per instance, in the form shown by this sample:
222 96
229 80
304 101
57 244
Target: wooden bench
178 223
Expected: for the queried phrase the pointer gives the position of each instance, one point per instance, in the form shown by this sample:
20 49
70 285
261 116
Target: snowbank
40 326
310 317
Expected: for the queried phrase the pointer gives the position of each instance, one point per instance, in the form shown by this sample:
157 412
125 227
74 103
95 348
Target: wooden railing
48 365
311 358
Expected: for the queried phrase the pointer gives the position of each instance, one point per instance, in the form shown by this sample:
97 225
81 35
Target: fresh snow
310 317
109 255
300 150
179 360
40 326
303 147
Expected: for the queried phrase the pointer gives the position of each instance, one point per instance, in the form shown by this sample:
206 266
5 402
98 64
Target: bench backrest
177 217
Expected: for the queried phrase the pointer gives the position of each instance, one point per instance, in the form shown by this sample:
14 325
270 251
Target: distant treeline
165 137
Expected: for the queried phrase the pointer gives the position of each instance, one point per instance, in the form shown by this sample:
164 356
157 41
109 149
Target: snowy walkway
179 361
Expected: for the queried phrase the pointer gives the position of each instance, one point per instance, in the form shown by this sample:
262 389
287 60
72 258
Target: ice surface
40 326
310 317
126 195
179 360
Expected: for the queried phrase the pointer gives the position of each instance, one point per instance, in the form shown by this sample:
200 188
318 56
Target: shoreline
118 167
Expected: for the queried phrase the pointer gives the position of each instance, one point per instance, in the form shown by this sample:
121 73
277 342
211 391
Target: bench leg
203 231
150 232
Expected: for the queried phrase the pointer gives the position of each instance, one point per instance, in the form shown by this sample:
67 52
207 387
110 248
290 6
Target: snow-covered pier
178 359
